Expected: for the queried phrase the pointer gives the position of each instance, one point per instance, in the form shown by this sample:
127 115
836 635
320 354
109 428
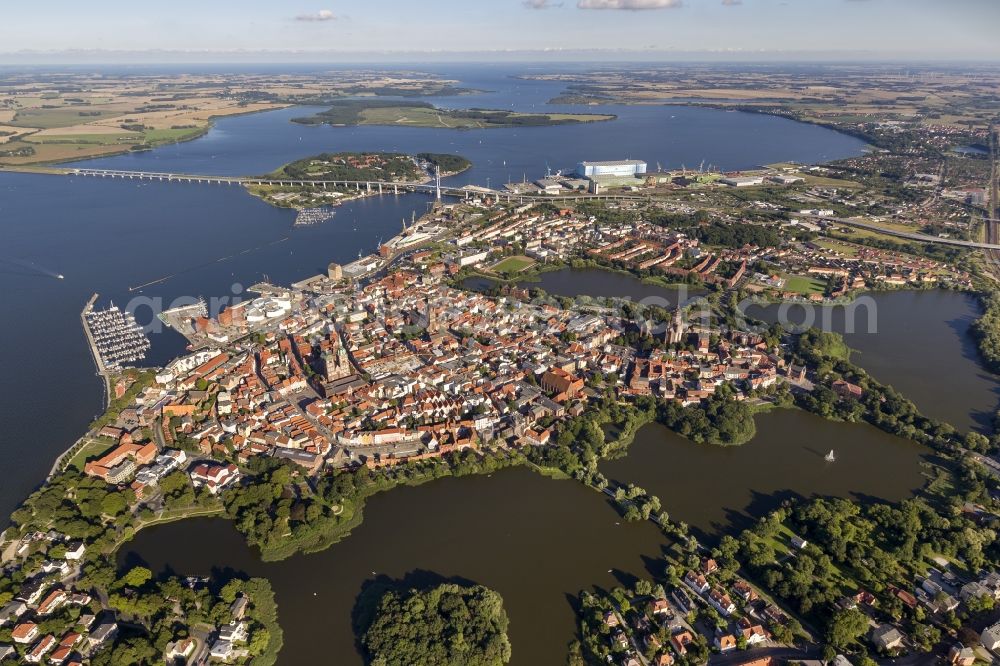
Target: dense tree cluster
349 111
81 507
738 235
853 545
386 166
717 420
510 119
273 514
987 331
278 512
447 625
815 347
157 606
446 162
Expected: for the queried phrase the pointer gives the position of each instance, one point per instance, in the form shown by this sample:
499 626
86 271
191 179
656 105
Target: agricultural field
57 118
852 98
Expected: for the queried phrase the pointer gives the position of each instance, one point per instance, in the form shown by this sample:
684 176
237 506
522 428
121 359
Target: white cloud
631 5
731 3
321 15
541 4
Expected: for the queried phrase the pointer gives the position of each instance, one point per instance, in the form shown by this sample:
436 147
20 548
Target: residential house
659 607
696 582
725 643
754 634
234 633
681 640
665 658
721 602
847 390
52 602
24 633
40 649
959 655
102 633
182 649
222 650
886 637
11 611
990 638
744 591
214 476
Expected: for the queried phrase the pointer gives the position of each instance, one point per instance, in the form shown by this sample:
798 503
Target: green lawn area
410 115
431 117
91 449
845 249
781 542
168 135
512 265
804 285
821 181
857 234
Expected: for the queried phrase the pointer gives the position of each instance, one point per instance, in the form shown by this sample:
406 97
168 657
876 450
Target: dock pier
98 361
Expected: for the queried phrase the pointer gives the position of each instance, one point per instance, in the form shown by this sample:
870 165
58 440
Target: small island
423 114
447 625
332 178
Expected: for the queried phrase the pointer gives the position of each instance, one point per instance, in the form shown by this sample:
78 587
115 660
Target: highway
924 238
993 208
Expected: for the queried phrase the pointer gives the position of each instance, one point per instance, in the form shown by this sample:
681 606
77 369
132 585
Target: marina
310 216
116 337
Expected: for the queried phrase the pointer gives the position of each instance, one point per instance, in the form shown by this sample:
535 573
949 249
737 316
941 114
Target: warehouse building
619 169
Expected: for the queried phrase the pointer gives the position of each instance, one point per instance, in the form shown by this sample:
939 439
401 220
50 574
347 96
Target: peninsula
333 178
48 118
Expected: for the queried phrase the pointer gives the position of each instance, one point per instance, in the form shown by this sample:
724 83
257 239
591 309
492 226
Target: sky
332 30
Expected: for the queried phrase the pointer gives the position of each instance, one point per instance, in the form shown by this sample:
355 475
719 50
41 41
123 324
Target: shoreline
202 131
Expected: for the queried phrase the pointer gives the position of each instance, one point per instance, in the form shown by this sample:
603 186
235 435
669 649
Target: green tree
845 627
137 577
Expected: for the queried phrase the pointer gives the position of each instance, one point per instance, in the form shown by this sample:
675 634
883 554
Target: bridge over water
371 186
467 191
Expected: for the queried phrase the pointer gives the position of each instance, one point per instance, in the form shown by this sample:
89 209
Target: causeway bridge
370 186
374 187
381 187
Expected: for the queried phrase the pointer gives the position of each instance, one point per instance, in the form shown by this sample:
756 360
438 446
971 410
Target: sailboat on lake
830 457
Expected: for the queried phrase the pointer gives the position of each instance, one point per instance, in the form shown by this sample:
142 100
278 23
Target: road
778 653
993 208
924 238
